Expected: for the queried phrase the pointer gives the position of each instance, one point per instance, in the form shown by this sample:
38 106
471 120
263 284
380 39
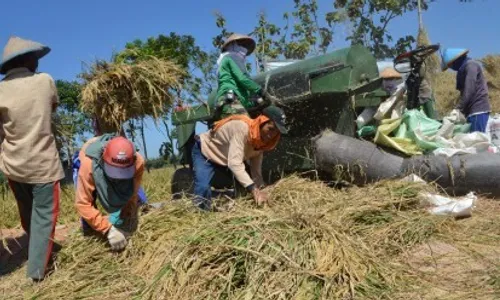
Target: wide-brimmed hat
390 73
243 40
17 46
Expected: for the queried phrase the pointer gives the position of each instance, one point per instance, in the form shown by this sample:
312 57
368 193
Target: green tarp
412 134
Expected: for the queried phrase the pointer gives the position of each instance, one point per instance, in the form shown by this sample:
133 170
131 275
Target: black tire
182 183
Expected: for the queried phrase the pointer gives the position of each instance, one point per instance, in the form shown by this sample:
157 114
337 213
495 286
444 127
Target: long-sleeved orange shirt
85 189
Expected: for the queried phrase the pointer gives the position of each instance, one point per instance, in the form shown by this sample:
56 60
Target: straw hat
243 40
17 46
390 73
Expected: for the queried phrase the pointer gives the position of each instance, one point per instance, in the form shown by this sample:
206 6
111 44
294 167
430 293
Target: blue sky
80 31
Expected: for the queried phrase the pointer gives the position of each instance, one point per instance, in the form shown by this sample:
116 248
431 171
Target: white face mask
240 50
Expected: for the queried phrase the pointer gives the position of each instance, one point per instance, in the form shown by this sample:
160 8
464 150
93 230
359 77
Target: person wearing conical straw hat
392 79
29 157
474 101
235 87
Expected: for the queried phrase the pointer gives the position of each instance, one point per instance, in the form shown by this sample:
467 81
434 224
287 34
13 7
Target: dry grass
313 242
445 92
118 91
156 185
491 65
9 215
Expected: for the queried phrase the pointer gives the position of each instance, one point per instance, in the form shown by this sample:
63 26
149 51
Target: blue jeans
203 171
478 122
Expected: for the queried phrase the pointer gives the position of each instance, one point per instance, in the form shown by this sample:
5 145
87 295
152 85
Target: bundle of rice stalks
491 64
313 242
121 90
432 63
445 92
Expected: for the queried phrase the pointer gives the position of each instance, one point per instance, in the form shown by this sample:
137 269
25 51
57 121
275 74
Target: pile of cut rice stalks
312 242
121 90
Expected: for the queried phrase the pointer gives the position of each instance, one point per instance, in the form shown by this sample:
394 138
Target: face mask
235 48
390 85
242 50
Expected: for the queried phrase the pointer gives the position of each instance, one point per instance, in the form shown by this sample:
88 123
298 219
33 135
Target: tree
370 20
301 35
199 66
182 49
70 124
166 150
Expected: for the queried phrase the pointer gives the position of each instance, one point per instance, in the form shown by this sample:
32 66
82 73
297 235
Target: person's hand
117 238
260 196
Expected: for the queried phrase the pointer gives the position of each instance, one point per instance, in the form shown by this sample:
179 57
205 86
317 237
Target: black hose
363 162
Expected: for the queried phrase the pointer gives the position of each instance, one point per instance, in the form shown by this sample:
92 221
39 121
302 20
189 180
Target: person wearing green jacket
235 87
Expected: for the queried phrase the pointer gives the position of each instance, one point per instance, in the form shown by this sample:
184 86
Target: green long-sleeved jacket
232 78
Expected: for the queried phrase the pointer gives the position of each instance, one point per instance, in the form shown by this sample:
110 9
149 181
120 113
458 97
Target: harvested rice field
311 242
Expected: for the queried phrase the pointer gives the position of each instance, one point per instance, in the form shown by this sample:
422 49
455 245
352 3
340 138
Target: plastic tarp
399 142
415 134
390 106
493 130
366 116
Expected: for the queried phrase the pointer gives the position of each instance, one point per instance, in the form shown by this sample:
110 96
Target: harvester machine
318 93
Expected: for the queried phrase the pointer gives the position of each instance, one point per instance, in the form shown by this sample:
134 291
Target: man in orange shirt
110 170
230 143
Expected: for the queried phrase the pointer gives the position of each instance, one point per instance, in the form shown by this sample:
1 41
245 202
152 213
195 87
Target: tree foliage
301 34
181 49
370 20
71 125
306 31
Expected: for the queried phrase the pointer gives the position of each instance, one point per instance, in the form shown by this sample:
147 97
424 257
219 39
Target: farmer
392 79
235 87
474 101
29 157
230 143
141 194
426 96
111 171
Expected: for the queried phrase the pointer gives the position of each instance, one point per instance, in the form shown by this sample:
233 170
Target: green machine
322 92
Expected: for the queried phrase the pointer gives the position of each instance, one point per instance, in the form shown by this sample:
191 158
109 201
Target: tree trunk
420 21
144 144
169 135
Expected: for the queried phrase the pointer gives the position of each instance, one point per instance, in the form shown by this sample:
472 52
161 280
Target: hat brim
248 43
447 66
39 52
282 128
119 173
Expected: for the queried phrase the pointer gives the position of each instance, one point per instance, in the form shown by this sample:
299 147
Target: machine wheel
182 183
